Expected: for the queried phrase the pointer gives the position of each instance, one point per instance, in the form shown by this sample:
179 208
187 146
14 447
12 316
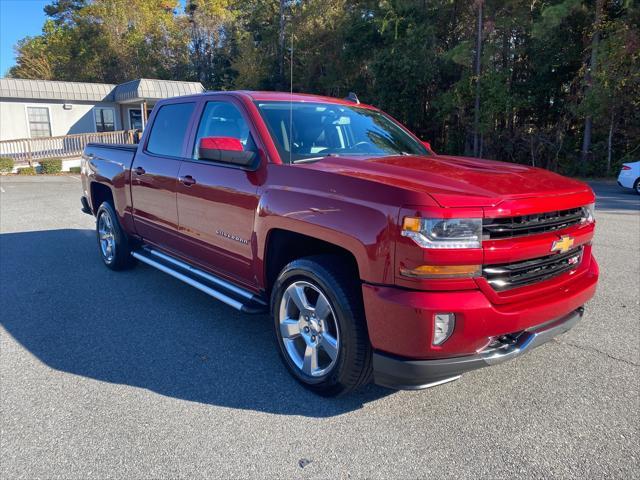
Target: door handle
139 171
187 180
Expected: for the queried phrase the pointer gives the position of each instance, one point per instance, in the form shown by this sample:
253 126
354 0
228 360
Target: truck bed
103 156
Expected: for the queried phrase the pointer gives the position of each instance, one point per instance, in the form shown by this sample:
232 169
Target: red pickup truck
377 258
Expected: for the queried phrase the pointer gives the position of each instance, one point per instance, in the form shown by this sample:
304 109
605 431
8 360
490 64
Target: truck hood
455 181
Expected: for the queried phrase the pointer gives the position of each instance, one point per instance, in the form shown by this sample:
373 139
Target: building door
135 118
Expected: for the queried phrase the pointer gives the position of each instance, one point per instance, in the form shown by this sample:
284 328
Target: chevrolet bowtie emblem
563 245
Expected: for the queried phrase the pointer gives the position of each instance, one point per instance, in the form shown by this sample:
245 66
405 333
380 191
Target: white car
630 176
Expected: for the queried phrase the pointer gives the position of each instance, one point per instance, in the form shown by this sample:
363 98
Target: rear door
217 205
154 174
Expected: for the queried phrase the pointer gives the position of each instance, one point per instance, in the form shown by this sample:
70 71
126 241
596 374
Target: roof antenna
291 88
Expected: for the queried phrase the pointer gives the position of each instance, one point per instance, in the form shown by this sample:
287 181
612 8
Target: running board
216 287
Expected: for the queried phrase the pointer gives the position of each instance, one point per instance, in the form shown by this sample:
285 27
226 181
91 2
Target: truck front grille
511 275
495 228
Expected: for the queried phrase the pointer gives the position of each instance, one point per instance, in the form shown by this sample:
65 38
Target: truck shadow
144 329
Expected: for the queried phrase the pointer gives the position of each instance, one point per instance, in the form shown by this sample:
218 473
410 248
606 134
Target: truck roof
260 96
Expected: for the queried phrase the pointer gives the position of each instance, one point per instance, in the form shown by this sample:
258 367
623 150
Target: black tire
120 257
352 365
636 186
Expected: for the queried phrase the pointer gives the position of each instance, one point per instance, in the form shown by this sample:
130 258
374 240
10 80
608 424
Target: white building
43 108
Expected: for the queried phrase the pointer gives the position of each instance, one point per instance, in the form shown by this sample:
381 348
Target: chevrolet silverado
377 258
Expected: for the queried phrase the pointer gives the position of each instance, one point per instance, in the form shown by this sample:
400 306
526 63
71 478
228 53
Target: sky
18 19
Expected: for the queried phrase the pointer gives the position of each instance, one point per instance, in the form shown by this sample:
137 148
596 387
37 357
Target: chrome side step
216 287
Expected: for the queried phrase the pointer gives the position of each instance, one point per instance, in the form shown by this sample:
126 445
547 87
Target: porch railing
27 150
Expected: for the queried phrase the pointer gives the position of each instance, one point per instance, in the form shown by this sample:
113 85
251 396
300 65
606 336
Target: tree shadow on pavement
144 329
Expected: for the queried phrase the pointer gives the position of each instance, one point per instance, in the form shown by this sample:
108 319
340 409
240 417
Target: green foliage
6 164
50 165
26 171
413 58
74 169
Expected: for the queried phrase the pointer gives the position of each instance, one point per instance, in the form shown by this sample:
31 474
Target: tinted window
310 131
169 129
223 119
105 119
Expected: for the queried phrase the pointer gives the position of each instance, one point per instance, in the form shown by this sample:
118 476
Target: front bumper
394 372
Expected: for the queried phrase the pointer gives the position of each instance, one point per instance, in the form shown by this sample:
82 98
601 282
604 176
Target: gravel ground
135 375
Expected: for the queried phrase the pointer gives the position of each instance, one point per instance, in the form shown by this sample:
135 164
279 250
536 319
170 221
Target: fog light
443 324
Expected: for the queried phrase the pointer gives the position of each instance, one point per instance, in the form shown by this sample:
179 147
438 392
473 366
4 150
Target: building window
105 119
39 123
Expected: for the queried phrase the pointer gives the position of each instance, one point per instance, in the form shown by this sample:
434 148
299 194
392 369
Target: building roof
53 90
151 89
136 90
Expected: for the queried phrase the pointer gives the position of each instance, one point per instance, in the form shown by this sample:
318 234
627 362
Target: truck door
154 175
217 201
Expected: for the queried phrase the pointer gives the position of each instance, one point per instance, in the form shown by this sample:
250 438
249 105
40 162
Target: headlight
444 233
589 213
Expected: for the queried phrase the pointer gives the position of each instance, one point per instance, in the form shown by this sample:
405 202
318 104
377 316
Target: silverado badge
563 245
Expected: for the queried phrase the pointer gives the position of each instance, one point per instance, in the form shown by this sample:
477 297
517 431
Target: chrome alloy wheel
107 238
309 329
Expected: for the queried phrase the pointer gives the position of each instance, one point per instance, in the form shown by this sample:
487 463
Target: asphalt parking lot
136 375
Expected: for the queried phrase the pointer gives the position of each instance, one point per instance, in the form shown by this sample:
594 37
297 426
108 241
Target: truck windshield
305 132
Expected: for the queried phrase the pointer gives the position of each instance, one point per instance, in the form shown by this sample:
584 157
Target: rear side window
169 129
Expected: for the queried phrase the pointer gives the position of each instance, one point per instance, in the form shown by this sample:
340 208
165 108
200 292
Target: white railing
26 150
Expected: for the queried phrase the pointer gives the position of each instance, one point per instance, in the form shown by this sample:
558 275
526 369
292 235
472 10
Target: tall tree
478 69
589 76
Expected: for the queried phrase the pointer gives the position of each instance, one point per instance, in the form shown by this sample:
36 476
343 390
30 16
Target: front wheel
636 186
112 241
320 326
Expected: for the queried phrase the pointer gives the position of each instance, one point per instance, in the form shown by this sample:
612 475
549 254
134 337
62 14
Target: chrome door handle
187 180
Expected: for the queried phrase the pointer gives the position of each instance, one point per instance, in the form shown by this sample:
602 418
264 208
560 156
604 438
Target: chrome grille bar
506 276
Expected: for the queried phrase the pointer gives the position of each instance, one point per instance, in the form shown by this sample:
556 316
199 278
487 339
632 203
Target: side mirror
225 150
427 144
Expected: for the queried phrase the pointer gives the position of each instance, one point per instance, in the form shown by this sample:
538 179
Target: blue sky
18 19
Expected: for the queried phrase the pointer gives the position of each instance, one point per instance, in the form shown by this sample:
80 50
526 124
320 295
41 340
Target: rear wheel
320 326
113 243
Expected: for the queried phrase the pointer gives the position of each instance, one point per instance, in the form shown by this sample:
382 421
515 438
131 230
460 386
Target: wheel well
100 193
284 246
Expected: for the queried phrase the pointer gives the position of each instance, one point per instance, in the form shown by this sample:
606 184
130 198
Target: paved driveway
135 375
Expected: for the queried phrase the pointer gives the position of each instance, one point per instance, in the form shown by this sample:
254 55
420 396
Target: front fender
360 227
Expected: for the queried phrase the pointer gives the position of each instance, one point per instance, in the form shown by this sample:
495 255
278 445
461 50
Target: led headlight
444 233
589 213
